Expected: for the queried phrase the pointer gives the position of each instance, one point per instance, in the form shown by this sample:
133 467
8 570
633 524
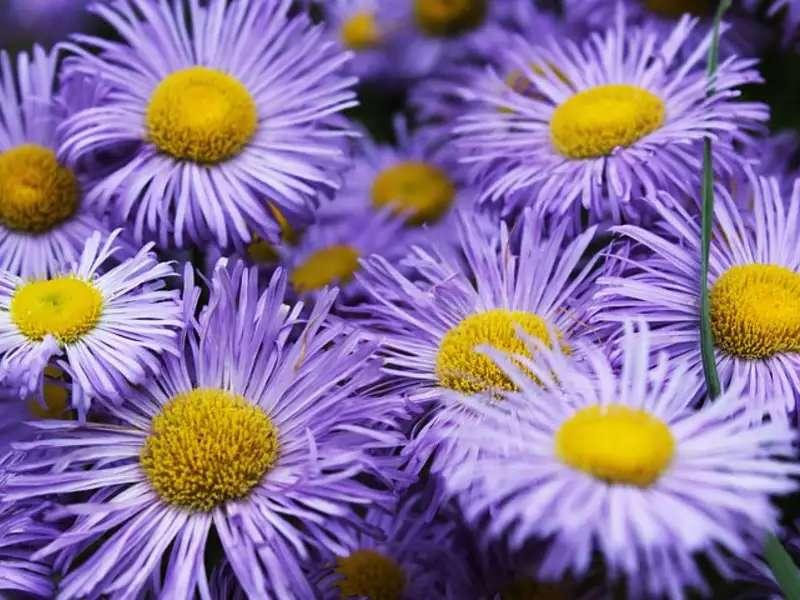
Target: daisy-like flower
418 178
754 283
512 281
611 122
376 33
44 218
405 562
253 432
231 105
104 325
330 251
22 531
590 459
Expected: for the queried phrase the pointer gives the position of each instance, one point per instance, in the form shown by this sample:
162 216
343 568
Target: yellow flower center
206 447
370 574
421 191
594 122
261 252
676 8
441 18
616 444
36 192
361 32
56 403
460 367
65 307
755 311
334 264
202 115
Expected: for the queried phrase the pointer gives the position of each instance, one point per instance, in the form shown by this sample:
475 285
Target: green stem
706 334
780 563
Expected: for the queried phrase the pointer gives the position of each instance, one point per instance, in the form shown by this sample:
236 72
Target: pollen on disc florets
327 266
594 122
65 307
616 444
418 190
442 18
755 311
460 367
206 447
201 114
36 191
370 574
360 31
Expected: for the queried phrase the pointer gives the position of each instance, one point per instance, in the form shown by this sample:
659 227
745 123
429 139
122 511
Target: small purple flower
330 251
257 431
590 459
229 105
103 324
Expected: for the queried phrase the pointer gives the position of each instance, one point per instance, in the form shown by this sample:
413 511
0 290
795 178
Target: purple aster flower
376 33
394 42
251 432
44 219
418 178
431 325
229 105
754 292
105 325
330 251
591 459
21 532
608 124
403 556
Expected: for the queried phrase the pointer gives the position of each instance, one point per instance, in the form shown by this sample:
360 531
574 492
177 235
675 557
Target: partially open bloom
330 251
231 106
252 432
586 458
418 179
754 283
607 123
432 324
105 325
44 218
410 557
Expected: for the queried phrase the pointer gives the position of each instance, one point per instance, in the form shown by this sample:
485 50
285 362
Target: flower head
606 124
257 430
232 106
512 281
44 218
586 458
754 284
105 325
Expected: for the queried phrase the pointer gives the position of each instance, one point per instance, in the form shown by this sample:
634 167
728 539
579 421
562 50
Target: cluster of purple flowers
250 350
